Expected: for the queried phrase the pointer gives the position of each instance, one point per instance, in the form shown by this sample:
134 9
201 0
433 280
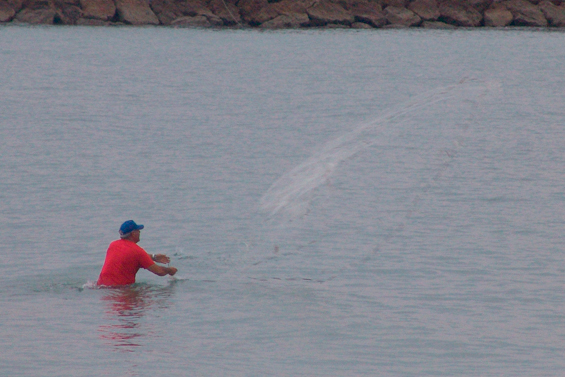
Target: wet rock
98 9
68 15
480 5
360 25
401 16
459 14
370 14
263 15
526 13
293 6
62 4
497 16
135 12
212 18
284 21
16 5
395 26
169 10
554 14
225 10
289 13
44 16
325 13
166 11
394 3
9 9
427 10
61 12
37 5
295 9
91 22
437 25
7 13
248 8
191 22
337 26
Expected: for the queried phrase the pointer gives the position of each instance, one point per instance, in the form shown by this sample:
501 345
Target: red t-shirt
123 259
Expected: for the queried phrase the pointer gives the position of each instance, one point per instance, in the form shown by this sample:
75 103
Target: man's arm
160 258
162 271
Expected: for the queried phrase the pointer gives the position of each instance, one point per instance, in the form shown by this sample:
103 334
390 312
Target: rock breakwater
280 14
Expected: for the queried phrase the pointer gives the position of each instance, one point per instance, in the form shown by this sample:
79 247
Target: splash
89 285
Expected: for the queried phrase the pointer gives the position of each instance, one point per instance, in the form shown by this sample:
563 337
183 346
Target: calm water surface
371 203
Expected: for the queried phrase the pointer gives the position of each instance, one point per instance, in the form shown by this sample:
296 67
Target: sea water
368 203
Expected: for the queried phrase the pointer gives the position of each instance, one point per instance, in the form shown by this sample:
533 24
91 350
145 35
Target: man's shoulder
125 244
118 243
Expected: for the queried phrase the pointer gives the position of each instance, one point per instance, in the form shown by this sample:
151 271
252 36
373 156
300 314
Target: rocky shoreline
284 14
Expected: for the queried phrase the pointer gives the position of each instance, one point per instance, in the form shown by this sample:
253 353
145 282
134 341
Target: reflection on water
125 308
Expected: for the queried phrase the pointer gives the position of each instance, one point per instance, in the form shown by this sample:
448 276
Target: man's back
123 259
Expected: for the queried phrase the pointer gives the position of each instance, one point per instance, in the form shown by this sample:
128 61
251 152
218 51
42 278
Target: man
124 258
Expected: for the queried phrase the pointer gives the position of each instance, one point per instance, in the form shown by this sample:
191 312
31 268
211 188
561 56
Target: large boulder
7 12
169 10
295 9
166 11
325 13
498 16
37 4
554 14
16 5
427 10
212 18
370 14
526 13
135 12
294 20
98 9
401 16
480 5
45 16
360 25
293 6
9 9
394 3
395 26
65 12
91 22
265 14
191 22
247 8
226 10
68 14
66 3
437 25
459 14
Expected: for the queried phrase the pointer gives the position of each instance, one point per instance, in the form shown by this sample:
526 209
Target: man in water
124 258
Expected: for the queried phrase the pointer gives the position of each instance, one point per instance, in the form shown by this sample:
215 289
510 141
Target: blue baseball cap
129 226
